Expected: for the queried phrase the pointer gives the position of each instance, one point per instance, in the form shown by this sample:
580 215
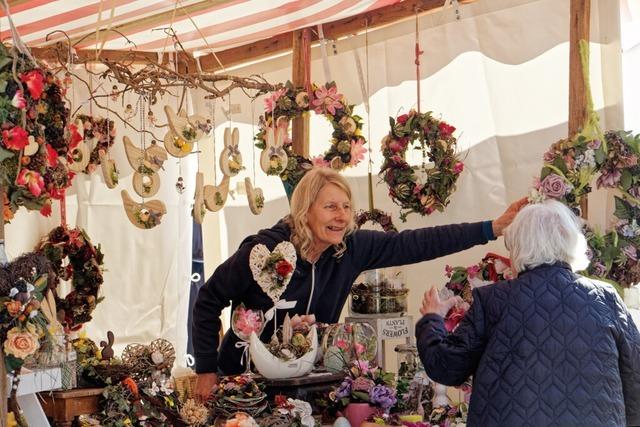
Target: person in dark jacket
330 256
549 348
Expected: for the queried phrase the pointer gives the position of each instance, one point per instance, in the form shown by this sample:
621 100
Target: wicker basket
186 386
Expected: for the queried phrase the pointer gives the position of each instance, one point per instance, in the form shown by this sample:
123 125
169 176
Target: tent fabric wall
499 74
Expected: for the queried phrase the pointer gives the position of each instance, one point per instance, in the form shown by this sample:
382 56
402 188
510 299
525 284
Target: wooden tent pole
580 13
301 55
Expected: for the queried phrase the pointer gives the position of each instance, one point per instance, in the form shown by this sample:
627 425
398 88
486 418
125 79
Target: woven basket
186 386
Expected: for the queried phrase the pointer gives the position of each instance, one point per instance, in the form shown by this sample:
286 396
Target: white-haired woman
549 348
330 256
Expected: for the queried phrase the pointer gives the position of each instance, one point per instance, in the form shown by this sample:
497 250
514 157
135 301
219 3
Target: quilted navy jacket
550 348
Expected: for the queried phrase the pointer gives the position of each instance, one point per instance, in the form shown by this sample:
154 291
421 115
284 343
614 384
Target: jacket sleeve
450 359
628 342
228 282
375 249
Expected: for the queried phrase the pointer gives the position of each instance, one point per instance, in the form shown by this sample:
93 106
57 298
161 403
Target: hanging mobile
215 196
146 182
255 196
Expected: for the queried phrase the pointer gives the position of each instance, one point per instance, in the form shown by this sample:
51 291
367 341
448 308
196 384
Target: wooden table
64 406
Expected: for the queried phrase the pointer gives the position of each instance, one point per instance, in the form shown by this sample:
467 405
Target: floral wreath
103 132
462 281
569 168
436 138
84 268
34 136
347 142
376 216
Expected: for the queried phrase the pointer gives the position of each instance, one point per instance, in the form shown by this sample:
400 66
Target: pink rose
554 186
32 180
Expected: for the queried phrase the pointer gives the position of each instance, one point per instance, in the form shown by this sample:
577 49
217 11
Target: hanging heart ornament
272 270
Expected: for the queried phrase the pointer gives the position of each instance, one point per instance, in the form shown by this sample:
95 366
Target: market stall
123 125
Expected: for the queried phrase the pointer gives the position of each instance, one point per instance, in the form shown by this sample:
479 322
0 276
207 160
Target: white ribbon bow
281 304
245 352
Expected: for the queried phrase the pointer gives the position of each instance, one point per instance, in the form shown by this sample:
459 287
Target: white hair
546 233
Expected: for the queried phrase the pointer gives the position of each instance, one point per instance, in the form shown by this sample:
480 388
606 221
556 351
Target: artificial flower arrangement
435 138
100 133
462 280
365 384
74 257
245 321
297 411
279 268
22 325
570 167
35 139
239 393
131 396
346 143
292 340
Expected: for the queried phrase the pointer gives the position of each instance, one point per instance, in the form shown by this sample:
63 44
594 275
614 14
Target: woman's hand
431 303
205 385
500 223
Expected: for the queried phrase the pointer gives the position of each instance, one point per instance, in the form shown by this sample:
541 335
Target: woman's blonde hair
304 195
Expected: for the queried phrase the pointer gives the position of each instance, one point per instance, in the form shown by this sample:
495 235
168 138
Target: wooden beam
300 125
580 15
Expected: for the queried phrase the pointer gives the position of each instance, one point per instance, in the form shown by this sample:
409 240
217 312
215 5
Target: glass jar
408 361
379 291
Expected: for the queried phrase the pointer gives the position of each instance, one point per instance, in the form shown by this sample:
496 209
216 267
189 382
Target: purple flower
635 192
630 252
595 144
598 269
383 396
554 186
345 388
549 156
609 179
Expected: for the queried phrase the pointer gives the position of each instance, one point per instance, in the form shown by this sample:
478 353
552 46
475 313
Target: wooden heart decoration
258 258
255 197
199 208
109 170
230 157
176 145
32 148
216 196
273 159
143 215
191 128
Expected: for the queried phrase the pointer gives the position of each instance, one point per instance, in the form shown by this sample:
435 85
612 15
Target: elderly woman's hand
500 223
431 303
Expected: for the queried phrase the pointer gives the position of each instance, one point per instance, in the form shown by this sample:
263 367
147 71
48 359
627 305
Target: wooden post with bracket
580 15
300 125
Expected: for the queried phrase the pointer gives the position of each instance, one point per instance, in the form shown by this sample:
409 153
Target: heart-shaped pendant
267 276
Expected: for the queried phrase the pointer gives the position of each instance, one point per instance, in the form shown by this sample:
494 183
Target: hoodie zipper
313 284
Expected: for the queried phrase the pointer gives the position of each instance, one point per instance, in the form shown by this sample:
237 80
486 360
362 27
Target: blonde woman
330 256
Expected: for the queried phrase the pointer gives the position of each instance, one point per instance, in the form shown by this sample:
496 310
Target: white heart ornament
266 279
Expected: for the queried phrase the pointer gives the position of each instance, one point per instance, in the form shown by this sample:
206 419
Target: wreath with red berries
376 216
73 257
435 139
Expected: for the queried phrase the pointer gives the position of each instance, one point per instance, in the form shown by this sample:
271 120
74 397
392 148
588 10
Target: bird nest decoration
149 361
